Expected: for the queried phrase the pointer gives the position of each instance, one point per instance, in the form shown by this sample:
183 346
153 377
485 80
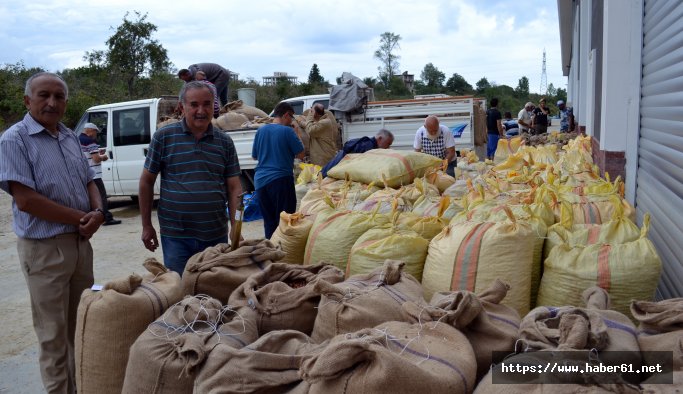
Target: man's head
529 106
91 130
560 104
384 139
494 102
200 76
507 115
432 124
318 110
284 113
45 97
185 75
541 102
196 103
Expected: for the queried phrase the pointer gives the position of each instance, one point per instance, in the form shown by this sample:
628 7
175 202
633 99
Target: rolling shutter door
660 153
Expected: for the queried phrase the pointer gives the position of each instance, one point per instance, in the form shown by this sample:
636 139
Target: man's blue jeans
178 250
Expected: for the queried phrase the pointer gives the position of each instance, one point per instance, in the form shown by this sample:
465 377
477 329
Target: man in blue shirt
199 176
56 208
566 117
275 147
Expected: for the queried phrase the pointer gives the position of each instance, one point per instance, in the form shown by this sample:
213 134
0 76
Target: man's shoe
112 222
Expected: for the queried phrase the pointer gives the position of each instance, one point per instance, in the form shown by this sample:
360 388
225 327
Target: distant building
408 80
233 76
272 80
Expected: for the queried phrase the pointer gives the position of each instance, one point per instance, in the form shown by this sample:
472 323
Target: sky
500 40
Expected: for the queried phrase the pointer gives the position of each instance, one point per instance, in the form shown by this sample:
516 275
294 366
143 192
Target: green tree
482 85
132 53
314 76
432 77
552 92
522 89
458 86
386 53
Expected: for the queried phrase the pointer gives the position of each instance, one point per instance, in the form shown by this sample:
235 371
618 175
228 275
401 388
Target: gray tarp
350 95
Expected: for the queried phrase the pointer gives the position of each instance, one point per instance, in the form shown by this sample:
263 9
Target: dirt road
118 253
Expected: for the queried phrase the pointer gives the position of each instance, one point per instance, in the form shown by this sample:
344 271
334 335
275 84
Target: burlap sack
388 242
167 356
291 236
283 295
269 365
653 384
334 233
471 256
660 327
574 328
218 271
488 325
109 321
394 357
230 121
627 271
364 301
395 168
239 107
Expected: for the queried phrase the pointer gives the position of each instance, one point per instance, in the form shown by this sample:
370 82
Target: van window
131 126
98 118
298 106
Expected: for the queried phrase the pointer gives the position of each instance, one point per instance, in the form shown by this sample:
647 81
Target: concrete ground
118 253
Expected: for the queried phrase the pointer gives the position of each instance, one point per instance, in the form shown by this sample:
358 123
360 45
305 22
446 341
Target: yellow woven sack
291 235
314 201
427 227
439 179
395 168
619 230
334 233
308 173
626 271
506 148
420 187
471 255
443 206
388 242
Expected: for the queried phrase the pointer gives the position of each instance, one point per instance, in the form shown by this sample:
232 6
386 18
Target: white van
302 103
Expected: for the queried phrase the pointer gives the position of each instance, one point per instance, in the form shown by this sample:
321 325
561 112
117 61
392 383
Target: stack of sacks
388 242
420 187
218 271
364 301
239 107
283 296
488 325
427 227
269 365
628 270
394 357
334 233
230 121
472 255
382 201
291 236
110 320
572 336
395 168
442 206
167 356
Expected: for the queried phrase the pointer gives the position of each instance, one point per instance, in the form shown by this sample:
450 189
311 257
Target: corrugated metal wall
660 164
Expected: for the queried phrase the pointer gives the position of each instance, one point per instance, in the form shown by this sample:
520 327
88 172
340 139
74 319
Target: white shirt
448 139
524 116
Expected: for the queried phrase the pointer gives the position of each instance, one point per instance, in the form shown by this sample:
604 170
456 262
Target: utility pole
544 78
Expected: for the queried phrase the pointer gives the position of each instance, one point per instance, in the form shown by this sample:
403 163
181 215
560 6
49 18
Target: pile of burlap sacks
237 115
391 298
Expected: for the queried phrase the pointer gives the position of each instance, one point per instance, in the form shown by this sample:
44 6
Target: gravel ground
118 253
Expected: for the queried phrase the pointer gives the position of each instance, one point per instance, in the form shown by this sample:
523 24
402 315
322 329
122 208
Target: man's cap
560 102
91 126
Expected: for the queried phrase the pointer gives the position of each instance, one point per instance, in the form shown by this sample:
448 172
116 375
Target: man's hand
90 223
149 238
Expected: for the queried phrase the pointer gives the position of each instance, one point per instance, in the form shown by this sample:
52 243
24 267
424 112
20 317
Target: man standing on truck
215 73
275 147
436 140
322 128
96 156
199 175
56 208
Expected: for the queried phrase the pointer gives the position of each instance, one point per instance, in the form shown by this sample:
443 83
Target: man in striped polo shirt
199 176
56 208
